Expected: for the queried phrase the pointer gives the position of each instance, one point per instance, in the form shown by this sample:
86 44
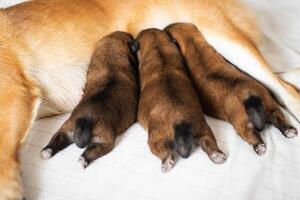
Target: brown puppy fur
225 92
168 108
109 104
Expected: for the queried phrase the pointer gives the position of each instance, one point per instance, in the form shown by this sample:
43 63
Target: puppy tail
83 132
183 140
133 46
255 111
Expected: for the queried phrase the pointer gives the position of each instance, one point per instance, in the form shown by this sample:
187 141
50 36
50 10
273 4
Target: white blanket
132 172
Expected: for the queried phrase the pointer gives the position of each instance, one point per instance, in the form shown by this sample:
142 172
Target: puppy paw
218 157
46 154
83 162
260 149
291 132
167 164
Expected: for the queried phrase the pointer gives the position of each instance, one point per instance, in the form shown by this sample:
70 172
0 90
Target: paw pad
291 133
260 149
218 157
167 165
83 162
46 154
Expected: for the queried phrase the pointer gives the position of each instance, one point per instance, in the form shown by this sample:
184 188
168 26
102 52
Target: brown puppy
227 93
109 103
169 108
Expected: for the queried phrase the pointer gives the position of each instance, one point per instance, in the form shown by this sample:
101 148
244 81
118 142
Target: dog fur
109 103
169 108
225 92
46 46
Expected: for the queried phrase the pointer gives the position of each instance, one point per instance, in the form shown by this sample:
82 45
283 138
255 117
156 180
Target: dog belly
59 61
56 47
60 68
62 87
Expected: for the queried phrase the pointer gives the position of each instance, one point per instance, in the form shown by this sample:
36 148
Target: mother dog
46 45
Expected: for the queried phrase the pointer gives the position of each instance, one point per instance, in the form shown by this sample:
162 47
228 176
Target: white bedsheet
132 172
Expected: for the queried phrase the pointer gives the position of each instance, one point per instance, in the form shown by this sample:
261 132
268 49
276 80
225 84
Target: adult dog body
46 45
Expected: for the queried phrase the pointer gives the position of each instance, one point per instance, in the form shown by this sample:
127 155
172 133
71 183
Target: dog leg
275 117
250 135
19 101
206 140
236 47
61 139
291 77
163 149
94 151
102 143
241 123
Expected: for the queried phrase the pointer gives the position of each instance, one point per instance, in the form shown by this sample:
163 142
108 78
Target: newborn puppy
169 108
109 104
225 92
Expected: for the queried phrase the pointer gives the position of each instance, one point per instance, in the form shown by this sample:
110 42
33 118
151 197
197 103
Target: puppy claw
260 149
46 154
167 165
83 162
218 157
291 133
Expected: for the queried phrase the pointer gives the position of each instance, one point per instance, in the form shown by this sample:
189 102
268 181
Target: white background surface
132 172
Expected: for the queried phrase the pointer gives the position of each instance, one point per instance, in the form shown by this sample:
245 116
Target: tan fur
19 101
51 41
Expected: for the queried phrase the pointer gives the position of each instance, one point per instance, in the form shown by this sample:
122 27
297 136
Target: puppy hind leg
19 100
240 50
95 151
207 141
276 118
102 142
247 131
59 141
163 149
